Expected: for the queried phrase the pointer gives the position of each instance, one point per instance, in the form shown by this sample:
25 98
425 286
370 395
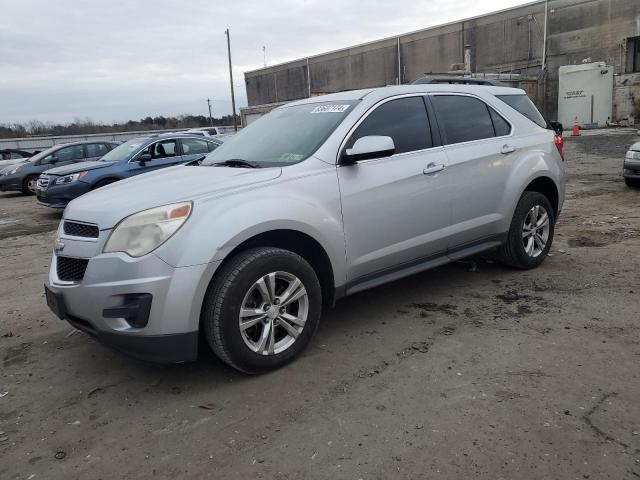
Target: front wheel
261 309
29 185
531 232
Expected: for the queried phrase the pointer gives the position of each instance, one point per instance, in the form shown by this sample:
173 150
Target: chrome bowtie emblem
58 246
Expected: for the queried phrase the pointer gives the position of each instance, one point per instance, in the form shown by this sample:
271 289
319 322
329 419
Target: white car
210 131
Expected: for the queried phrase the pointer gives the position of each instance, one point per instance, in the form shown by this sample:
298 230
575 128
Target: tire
28 185
517 251
102 183
237 284
632 182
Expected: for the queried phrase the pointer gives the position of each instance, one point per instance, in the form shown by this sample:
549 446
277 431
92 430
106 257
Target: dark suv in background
24 176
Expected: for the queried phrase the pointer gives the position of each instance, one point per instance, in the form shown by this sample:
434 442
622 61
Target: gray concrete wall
507 41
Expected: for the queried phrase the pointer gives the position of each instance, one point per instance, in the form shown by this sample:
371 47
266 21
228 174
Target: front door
396 210
160 154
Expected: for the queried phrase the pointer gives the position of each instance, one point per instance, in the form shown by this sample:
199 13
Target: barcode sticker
330 109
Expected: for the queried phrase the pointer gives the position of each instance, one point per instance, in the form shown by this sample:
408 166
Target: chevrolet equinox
319 199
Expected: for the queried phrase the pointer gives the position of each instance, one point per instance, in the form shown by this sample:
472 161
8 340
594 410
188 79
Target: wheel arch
300 243
547 187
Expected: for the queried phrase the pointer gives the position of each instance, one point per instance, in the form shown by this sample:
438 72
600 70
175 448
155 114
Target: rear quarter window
525 106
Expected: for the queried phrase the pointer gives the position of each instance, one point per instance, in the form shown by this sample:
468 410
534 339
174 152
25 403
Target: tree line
79 126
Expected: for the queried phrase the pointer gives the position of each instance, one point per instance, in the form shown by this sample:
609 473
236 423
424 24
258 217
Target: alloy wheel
273 313
31 185
535 231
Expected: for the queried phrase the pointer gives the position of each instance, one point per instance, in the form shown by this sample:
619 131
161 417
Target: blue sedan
58 186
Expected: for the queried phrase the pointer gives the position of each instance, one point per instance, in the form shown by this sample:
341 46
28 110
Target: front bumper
169 331
58 196
631 169
10 183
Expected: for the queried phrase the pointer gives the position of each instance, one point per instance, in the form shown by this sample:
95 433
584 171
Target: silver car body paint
370 218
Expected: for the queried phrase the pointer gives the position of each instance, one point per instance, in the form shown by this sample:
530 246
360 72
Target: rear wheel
29 185
262 309
632 182
531 232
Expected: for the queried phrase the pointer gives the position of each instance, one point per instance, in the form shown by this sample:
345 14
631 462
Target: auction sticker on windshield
330 109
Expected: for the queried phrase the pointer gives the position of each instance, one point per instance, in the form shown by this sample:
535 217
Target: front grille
81 229
71 269
43 182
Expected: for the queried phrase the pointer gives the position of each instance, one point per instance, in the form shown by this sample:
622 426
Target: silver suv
319 199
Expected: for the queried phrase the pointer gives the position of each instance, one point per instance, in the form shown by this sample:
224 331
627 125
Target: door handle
432 168
507 149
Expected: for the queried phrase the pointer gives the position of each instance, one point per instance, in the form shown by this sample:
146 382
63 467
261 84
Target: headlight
633 155
15 170
145 231
69 178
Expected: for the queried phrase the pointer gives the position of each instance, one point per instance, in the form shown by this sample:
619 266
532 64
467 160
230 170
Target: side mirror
367 148
143 158
54 160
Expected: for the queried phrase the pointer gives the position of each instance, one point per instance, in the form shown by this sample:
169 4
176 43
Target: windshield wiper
236 162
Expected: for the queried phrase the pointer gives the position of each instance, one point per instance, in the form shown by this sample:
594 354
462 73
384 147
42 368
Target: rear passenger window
463 119
404 120
192 146
500 125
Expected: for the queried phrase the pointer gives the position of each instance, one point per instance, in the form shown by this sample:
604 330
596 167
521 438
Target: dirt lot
464 372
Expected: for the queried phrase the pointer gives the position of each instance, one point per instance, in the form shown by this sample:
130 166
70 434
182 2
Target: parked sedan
9 156
631 168
24 176
58 186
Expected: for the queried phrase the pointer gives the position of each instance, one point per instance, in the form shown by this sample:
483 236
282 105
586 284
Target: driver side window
404 120
163 149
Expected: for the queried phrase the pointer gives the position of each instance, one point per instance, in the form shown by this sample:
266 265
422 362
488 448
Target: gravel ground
470 371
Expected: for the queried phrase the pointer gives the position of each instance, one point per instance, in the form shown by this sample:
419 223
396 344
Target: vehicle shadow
352 314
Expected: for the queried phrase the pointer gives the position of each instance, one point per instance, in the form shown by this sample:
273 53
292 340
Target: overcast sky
115 60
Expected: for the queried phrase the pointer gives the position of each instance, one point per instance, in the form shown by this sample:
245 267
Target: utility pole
210 117
233 96
264 55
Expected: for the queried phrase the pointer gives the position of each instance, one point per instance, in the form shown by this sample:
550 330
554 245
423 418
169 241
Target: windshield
42 154
124 151
285 136
525 106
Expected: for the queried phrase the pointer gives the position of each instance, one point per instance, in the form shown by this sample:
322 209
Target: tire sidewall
25 185
229 310
527 202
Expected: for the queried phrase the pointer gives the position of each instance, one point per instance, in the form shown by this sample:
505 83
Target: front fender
309 205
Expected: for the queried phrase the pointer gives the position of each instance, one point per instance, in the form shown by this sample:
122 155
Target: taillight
559 143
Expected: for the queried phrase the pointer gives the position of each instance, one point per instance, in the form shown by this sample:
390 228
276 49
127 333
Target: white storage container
585 92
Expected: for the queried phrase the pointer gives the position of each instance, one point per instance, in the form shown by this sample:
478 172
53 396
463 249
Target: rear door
395 209
481 151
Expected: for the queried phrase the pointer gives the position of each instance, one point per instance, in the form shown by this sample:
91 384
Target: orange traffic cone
575 131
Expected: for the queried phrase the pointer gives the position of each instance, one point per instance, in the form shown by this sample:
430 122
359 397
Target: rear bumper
10 182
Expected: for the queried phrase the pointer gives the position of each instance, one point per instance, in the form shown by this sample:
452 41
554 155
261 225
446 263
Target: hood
77 167
13 161
108 205
635 147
